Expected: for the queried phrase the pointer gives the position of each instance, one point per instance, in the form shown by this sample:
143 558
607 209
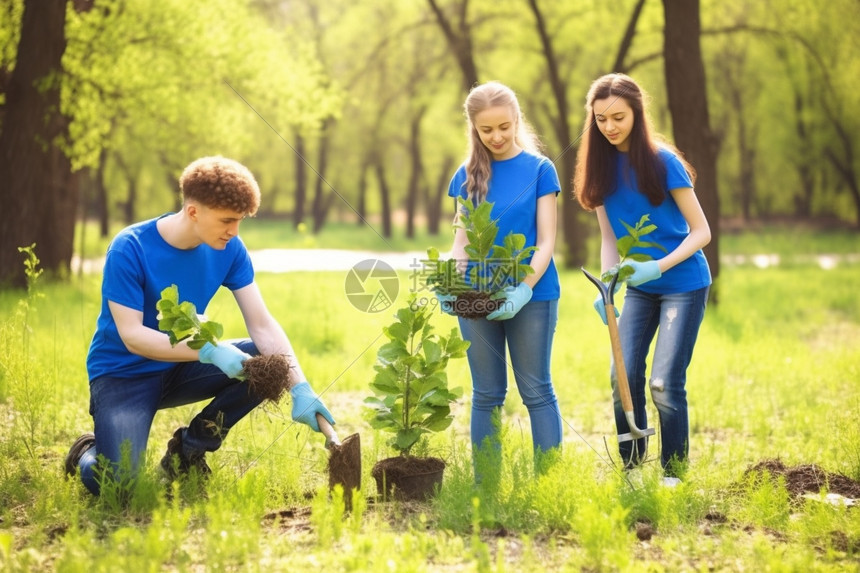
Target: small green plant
412 397
625 244
180 321
491 267
267 375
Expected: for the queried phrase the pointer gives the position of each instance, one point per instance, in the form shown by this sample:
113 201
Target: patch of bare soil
807 478
292 520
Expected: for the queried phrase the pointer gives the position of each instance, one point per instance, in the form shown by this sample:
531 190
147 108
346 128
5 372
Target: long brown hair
596 158
478 161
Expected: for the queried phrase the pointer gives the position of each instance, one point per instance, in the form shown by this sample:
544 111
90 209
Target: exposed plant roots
268 375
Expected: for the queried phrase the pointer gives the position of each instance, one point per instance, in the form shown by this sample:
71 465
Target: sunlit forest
350 111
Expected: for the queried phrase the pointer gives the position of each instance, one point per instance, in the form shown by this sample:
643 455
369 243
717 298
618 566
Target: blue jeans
529 336
123 410
677 317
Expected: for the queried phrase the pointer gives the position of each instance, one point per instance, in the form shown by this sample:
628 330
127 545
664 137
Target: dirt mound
808 478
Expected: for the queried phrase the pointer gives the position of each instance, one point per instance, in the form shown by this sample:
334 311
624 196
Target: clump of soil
475 304
808 478
408 477
344 467
268 375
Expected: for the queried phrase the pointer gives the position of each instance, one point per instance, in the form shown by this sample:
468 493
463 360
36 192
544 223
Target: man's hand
226 357
306 406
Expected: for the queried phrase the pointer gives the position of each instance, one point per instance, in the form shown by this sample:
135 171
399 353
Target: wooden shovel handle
618 356
327 431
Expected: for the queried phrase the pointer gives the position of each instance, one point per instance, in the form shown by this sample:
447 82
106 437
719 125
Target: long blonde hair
481 97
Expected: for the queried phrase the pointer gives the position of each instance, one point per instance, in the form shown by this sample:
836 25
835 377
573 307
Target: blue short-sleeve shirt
627 204
515 186
138 266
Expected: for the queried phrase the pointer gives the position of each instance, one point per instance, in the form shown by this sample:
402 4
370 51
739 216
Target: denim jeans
529 335
123 410
677 317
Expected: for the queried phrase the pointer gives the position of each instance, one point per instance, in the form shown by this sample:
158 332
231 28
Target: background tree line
351 110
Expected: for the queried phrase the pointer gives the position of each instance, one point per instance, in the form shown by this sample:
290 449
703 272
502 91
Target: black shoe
185 462
81 445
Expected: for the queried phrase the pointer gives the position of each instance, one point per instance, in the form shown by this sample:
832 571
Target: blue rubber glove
642 272
306 406
226 357
600 307
446 303
515 298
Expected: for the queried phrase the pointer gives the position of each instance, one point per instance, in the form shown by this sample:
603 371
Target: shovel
608 294
344 462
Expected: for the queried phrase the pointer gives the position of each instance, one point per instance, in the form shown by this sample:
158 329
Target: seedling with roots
266 375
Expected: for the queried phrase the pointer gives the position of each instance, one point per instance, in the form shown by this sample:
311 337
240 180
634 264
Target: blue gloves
446 303
226 357
600 307
306 406
515 298
643 272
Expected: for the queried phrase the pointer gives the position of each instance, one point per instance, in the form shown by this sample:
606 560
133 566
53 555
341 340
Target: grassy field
773 384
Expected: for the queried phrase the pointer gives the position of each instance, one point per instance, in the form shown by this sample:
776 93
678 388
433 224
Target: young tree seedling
625 246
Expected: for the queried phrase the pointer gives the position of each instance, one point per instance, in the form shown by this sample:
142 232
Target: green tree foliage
182 79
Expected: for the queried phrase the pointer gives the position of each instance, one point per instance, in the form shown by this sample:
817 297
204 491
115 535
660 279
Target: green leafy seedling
412 397
180 321
503 261
626 244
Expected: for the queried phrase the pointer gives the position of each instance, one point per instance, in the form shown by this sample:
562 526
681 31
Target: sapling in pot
491 267
411 396
267 376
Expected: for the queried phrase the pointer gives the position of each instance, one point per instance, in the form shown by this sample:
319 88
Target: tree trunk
39 192
384 197
435 198
301 182
688 104
416 170
131 176
459 42
362 192
322 199
573 218
102 194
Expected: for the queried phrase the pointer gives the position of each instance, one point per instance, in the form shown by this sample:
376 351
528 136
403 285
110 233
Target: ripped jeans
675 319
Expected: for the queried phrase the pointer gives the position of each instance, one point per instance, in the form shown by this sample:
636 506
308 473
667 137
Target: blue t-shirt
514 188
627 204
139 265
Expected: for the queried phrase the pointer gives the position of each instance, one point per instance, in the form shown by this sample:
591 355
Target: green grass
774 376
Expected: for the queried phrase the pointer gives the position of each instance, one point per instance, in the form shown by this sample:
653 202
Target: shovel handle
327 430
618 356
